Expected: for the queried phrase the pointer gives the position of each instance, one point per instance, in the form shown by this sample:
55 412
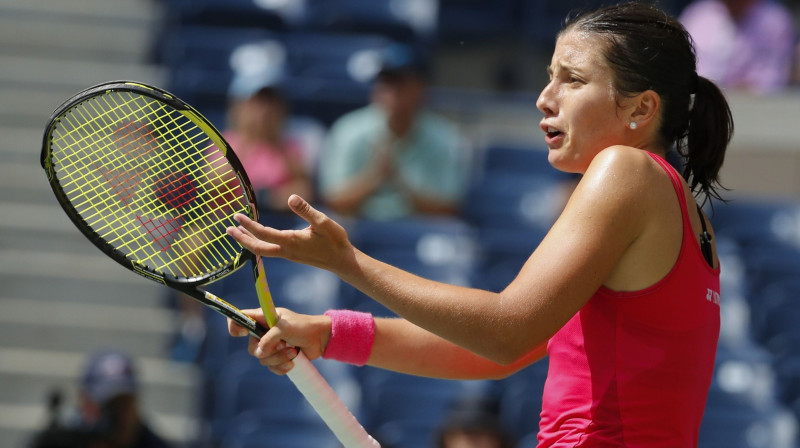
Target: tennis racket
152 183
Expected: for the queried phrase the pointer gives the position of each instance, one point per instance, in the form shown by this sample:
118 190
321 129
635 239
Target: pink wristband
352 335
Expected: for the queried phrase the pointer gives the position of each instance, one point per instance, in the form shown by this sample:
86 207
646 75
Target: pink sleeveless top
632 369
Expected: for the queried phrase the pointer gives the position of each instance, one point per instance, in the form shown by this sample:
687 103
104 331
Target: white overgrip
328 405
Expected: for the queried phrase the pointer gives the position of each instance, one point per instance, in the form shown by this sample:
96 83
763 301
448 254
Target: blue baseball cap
108 374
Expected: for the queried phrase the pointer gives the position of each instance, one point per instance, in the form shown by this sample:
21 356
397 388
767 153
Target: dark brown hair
650 50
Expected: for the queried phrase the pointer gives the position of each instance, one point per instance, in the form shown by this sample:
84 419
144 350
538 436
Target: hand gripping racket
153 184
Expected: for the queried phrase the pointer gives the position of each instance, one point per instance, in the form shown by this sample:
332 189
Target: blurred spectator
393 158
108 414
473 423
744 44
274 163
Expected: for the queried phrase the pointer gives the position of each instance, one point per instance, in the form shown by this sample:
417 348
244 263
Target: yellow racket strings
150 182
100 167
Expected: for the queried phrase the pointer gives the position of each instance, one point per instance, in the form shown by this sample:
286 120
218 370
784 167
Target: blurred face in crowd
260 119
399 94
582 112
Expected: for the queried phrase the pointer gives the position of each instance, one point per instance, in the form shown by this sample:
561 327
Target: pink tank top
633 369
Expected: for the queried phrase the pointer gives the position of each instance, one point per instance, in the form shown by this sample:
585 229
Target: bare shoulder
621 171
618 160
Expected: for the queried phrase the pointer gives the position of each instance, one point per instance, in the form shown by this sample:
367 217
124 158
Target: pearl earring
633 125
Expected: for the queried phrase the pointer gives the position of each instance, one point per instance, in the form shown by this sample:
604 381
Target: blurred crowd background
414 123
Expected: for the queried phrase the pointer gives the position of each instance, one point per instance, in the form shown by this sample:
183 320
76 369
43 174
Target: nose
546 101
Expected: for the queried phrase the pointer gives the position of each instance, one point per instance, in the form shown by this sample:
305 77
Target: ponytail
703 148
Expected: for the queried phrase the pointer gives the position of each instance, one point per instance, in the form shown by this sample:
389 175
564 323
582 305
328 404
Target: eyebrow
564 67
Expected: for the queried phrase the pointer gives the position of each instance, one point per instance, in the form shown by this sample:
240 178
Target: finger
282 369
252 345
271 342
253 243
255 229
280 356
246 232
282 362
235 329
304 210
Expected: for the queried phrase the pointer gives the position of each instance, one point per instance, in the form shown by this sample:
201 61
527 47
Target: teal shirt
431 159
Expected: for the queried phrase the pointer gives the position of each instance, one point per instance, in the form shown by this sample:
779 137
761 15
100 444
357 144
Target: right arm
606 214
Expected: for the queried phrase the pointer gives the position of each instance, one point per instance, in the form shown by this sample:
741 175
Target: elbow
508 357
513 346
511 353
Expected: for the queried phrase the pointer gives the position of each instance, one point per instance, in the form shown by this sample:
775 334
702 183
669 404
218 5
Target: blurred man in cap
109 404
394 158
108 413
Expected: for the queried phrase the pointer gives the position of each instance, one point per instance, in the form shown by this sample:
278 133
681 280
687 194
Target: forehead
579 50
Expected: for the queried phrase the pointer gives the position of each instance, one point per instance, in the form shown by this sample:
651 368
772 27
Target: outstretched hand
324 243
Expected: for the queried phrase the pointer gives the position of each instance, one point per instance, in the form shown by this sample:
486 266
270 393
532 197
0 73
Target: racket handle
328 405
311 384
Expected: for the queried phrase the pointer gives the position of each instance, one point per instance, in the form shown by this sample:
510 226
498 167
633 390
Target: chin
564 165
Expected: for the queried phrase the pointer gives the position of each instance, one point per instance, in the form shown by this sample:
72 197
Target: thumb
304 210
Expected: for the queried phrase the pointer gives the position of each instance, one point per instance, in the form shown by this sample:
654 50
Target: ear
645 108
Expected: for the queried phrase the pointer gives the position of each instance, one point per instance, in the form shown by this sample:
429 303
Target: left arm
398 345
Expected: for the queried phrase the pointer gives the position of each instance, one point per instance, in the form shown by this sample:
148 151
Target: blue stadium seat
769 262
405 410
521 399
434 240
441 249
330 74
210 47
203 61
515 159
515 187
255 429
503 252
301 288
775 308
335 56
407 21
749 221
470 20
233 13
243 385
542 19
322 75
742 409
515 201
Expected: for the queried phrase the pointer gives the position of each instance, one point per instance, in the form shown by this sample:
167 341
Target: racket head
150 181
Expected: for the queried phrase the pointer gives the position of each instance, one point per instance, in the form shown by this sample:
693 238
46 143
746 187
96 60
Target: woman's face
582 115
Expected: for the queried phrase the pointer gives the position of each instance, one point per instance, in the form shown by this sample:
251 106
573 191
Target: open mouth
553 132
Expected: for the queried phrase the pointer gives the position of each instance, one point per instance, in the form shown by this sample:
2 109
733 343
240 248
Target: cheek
599 122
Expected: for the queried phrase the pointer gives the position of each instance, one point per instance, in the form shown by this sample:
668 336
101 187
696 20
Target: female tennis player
623 292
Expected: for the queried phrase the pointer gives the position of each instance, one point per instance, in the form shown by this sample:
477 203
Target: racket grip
328 405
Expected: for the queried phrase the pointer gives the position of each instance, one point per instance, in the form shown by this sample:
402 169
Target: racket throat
262 289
